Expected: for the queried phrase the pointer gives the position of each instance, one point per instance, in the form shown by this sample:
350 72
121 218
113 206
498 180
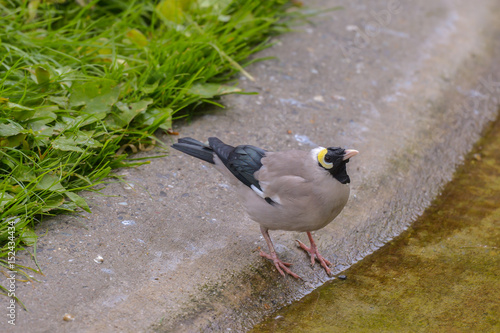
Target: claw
315 255
280 265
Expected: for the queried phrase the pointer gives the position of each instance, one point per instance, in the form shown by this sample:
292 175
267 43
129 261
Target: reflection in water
441 275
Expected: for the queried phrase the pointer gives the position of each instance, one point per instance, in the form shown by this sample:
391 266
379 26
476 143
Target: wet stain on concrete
441 275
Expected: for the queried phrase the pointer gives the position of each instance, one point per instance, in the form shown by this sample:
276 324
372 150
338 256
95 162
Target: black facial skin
335 155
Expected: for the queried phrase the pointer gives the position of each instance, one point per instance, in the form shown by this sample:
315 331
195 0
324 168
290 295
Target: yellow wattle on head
321 159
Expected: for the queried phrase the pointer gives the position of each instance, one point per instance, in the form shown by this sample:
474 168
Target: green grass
80 84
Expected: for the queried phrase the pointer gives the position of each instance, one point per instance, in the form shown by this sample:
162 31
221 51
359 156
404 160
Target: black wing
243 161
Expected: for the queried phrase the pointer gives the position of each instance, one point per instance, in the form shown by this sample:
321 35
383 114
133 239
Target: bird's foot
313 252
280 265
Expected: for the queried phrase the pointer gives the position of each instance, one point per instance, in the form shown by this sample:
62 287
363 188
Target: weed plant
81 81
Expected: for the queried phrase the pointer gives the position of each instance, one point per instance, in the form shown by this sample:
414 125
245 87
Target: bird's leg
280 265
313 251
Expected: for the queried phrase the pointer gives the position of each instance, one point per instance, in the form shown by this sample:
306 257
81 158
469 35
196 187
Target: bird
294 190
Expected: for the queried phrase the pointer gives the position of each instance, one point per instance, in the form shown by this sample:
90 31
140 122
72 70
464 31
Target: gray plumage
293 190
308 196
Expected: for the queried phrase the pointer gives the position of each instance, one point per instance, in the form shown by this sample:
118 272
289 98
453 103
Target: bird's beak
349 153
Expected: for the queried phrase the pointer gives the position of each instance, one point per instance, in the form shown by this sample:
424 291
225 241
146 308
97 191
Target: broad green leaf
12 141
91 118
215 5
85 138
42 117
5 198
42 75
61 126
72 143
172 10
62 101
21 115
70 122
51 183
166 124
42 137
66 144
78 200
28 237
10 129
224 18
126 113
18 107
210 90
97 95
66 76
148 89
160 116
68 205
54 201
24 173
32 9
137 37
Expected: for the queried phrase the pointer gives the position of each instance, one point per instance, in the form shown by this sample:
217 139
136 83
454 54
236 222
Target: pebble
68 317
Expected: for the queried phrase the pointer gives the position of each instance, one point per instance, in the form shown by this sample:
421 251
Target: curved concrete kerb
410 84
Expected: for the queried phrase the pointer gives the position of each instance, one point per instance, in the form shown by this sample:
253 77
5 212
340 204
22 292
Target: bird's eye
324 160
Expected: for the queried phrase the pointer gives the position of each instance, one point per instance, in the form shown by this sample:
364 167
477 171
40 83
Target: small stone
68 317
128 222
99 259
342 277
477 157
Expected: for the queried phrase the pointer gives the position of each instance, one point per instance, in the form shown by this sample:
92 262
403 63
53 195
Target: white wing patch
276 199
261 194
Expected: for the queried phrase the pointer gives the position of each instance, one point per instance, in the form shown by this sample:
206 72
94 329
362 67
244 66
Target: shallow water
441 275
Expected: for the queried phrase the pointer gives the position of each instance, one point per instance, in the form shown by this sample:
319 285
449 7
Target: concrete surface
411 93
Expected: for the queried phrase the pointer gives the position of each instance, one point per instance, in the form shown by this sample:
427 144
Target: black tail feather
242 161
221 149
192 141
195 148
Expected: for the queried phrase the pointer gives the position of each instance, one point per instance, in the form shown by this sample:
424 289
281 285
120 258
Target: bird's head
333 160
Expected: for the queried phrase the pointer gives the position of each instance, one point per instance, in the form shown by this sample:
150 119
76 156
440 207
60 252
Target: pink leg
313 252
280 265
